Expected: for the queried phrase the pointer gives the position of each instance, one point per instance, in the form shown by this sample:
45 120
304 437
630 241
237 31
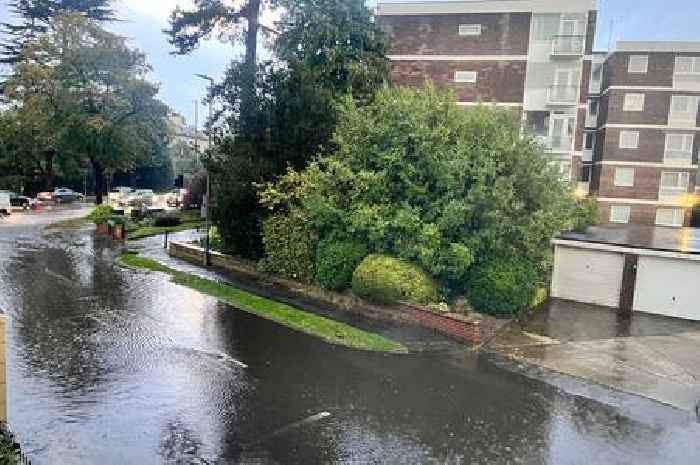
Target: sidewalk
653 357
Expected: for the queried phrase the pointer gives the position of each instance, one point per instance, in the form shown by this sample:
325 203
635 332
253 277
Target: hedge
290 246
502 287
336 261
388 280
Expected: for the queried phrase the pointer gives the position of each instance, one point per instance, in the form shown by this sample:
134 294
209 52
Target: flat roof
677 240
657 46
484 6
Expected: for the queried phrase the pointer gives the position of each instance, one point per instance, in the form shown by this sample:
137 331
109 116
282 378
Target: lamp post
207 211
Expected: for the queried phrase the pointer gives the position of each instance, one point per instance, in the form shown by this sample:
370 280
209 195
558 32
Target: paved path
664 367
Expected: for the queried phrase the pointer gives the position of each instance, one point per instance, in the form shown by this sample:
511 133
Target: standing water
109 366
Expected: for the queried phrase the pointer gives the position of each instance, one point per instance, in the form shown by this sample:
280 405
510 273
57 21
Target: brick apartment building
533 56
641 144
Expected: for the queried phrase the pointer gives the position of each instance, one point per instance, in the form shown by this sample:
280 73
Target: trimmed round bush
336 261
167 221
388 280
101 214
502 287
290 246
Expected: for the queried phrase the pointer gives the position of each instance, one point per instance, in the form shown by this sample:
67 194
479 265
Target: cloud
158 9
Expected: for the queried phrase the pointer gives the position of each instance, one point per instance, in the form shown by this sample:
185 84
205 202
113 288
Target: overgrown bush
167 220
290 246
336 261
388 280
101 214
503 286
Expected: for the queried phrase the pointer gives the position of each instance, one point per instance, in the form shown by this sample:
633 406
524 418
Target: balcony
562 95
559 144
678 157
568 45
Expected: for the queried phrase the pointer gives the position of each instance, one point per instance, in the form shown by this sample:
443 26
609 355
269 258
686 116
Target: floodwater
109 366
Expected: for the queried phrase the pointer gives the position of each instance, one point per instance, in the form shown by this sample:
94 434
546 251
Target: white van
5 205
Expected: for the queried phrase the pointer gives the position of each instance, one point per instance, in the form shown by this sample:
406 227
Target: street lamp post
207 210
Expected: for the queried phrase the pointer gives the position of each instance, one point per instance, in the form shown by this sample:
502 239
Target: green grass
148 231
329 330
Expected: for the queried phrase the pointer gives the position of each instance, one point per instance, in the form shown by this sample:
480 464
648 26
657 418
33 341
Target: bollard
165 240
3 371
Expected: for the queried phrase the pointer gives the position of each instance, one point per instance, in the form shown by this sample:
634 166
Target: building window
673 185
593 107
590 141
597 75
670 217
684 109
634 102
638 64
679 149
624 177
586 173
470 29
687 65
629 139
620 214
465 76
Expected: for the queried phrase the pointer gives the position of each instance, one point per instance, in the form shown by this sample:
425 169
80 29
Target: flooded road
108 366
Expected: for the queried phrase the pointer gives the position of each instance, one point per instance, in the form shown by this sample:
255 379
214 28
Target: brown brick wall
639 214
646 183
659 72
580 126
656 108
502 81
591 30
585 80
501 34
652 145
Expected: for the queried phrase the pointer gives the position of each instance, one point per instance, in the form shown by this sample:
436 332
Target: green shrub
167 220
336 261
117 219
387 280
101 214
503 286
290 246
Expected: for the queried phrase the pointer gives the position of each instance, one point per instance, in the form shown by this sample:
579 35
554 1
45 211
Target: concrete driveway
646 355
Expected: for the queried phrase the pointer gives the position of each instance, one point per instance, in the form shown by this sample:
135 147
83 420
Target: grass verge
71 223
329 330
148 231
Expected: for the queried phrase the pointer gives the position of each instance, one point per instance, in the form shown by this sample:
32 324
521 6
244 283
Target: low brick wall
467 329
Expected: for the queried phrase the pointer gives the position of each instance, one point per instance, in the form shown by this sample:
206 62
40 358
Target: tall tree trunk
250 65
99 172
49 171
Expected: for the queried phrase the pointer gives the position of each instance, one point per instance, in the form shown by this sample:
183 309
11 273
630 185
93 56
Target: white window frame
592 136
631 105
469 30
687 116
694 67
638 64
687 142
679 188
677 217
634 134
469 77
627 211
624 177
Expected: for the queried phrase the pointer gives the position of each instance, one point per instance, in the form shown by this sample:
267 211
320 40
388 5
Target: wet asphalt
110 366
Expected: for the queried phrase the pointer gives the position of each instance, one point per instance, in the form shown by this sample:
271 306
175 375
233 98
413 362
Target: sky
142 21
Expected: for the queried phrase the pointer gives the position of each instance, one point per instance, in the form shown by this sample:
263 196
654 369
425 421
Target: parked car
18 201
5 204
119 195
64 195
140 197
176 197
45 196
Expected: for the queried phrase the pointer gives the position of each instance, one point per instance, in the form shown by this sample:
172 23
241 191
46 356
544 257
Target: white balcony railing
678 157
559 144
568 45
562 95
672 193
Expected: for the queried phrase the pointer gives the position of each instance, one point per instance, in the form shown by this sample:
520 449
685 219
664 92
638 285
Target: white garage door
590 276
668 286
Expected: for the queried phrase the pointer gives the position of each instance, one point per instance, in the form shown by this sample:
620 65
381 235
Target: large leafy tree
416 177
87 93
35 16
326 49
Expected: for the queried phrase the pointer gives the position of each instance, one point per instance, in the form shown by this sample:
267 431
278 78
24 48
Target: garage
668 286
589 276
633 269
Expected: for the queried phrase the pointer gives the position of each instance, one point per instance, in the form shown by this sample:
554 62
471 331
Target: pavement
645 355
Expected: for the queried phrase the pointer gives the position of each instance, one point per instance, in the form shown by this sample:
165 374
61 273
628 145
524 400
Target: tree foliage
326 50
416 177
35 18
